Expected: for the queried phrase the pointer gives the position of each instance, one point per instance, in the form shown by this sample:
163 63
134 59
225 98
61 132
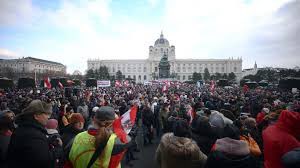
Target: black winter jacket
29 146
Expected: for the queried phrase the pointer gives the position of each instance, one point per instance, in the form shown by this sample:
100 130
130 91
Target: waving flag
165 88
212 86
123 125
191 113
126 83
118 83
60 85
47 83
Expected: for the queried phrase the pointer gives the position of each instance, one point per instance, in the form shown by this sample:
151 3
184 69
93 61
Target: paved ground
146 155
146 158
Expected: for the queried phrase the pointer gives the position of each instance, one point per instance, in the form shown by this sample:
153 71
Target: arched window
145 77
140 77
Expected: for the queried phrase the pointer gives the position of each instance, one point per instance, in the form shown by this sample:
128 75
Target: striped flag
60 85
212 86
47 83
126 83
118 83
123 125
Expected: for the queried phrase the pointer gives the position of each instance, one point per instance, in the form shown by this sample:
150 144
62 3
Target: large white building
181 69
30 64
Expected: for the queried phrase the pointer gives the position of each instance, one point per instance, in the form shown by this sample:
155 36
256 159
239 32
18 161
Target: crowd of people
199 127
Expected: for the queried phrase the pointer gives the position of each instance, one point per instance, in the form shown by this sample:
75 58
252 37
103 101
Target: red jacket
281 138
260 117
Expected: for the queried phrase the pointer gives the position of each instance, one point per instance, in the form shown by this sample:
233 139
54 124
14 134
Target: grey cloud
276 43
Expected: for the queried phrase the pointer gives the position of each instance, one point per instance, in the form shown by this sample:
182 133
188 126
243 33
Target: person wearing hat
260 116
6 128
98 139
29 146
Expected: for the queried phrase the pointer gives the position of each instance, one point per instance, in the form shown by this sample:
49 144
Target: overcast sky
71 31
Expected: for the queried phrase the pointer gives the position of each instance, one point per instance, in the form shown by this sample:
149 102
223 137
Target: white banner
294 90
103 83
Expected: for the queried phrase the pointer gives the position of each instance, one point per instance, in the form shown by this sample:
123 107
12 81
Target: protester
230 151
6 128
55 142
203 134
29 146
65 120
291 159
75 127
281 138
99 138
148 121
163 117
177 150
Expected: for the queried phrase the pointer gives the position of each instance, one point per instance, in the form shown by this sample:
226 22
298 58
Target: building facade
30 64
180 69
251 71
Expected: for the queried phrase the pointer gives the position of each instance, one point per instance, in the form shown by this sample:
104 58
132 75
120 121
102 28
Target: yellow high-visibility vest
83 149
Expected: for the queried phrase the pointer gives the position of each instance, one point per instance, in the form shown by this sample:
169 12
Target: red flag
60 85
47 83
123 125
191 112
168 83
164 88
212 86
126 83
245 88
118 83
70 82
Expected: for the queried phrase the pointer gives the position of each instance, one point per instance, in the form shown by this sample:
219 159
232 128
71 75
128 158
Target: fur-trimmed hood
232 147
177 152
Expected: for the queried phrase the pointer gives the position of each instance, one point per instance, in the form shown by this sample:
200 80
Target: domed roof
162 40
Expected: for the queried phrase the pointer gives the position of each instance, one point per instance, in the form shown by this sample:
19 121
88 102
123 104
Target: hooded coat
230 153
204 135
179 152
281 138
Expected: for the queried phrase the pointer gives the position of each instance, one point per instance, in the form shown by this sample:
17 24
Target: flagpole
35 77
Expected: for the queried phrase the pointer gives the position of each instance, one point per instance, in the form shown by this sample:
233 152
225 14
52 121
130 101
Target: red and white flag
126 83
164 88
191 113
60 85
123 125
168 83
212 86
47 83
70 82
118 83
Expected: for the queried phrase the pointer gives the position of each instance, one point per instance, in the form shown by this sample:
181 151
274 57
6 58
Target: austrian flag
118 83
47 83
123 125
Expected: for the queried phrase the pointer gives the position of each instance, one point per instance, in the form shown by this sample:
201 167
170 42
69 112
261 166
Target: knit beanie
52 124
